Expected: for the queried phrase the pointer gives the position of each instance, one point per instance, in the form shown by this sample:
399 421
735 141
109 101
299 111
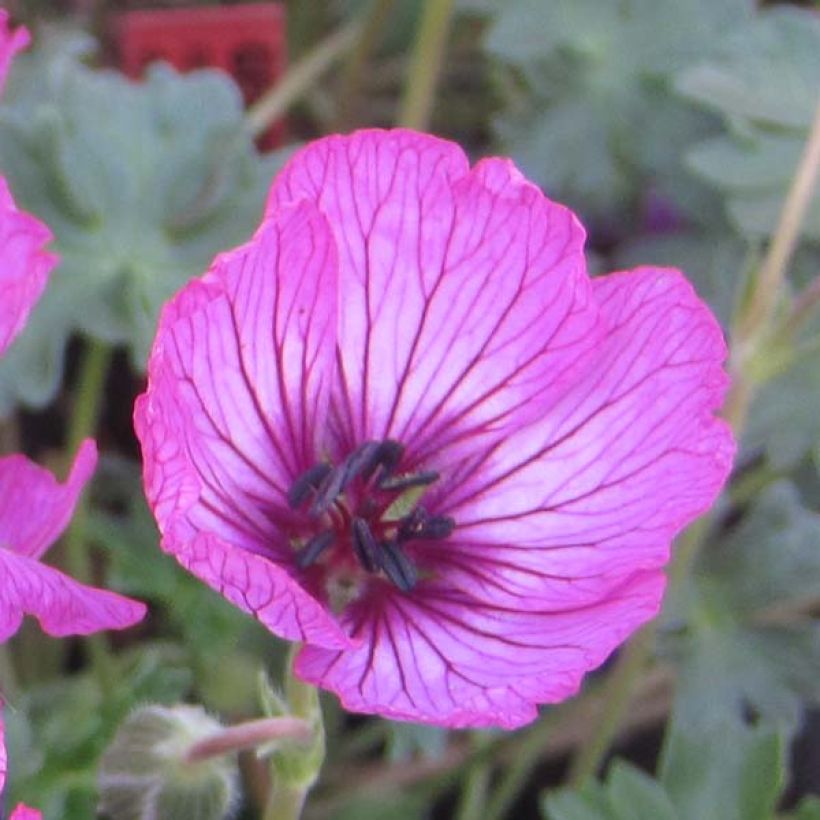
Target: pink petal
466 303
24 265
600 486
34 510
3 757
439 656
34 507
238 390
62 605
10 43
25 813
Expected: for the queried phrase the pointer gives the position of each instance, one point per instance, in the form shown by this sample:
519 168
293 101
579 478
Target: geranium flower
34 510
24 265
403 426
22 812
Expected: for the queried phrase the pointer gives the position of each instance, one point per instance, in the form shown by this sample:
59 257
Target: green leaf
734 654
730 772
629 794
597 119
809 809
634 795
783 419
142 184
764 82
766 70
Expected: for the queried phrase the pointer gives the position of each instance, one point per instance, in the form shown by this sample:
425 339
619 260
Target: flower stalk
85 415
425 65
300 78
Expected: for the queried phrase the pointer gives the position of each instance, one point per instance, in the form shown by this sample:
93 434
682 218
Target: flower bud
146 771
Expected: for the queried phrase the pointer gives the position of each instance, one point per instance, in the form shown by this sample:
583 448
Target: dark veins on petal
361 513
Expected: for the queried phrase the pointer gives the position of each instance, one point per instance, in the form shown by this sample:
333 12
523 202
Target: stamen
410 526
328 491
363 460
389 456
439 526
403 482
398 567
310 553
365 545
306 483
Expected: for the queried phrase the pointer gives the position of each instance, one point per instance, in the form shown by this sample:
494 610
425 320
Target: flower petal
24 265
600 486
10 43
466 301
3 757
34 507
439 656
61 605
235 409
23 812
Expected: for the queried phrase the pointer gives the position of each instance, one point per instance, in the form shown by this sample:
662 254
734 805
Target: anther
398 567
365 545
362 461
403 482
328 491
439 526
389 456
310 553
306 483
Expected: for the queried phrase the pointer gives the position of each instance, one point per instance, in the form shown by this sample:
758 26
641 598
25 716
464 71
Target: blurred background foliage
674 128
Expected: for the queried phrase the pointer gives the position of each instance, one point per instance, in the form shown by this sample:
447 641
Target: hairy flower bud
146 771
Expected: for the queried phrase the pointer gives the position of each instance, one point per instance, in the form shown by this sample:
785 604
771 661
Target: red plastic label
247 41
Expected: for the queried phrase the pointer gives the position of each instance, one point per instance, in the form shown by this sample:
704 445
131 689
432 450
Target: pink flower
403 426
34 510
25 813
24 265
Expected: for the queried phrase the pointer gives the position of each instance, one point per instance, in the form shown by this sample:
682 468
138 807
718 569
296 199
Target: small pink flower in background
34 510
24 265
25 813
403 426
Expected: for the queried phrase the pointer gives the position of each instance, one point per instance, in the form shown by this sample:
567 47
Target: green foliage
743 648
597 119
141 184
763 81
58 730
731 772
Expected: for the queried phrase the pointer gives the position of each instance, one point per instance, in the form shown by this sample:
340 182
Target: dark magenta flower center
366 509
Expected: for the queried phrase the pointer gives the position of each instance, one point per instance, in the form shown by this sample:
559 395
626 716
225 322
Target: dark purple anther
306 484
362 461
313 549
365 545
398 567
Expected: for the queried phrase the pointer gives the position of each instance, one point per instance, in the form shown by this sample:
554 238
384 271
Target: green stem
617 695
83 423
425 66
527 755
356 63
300 78
295 770
473 799
763 300
286 802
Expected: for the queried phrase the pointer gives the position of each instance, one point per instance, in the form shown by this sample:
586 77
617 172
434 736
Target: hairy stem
425 65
